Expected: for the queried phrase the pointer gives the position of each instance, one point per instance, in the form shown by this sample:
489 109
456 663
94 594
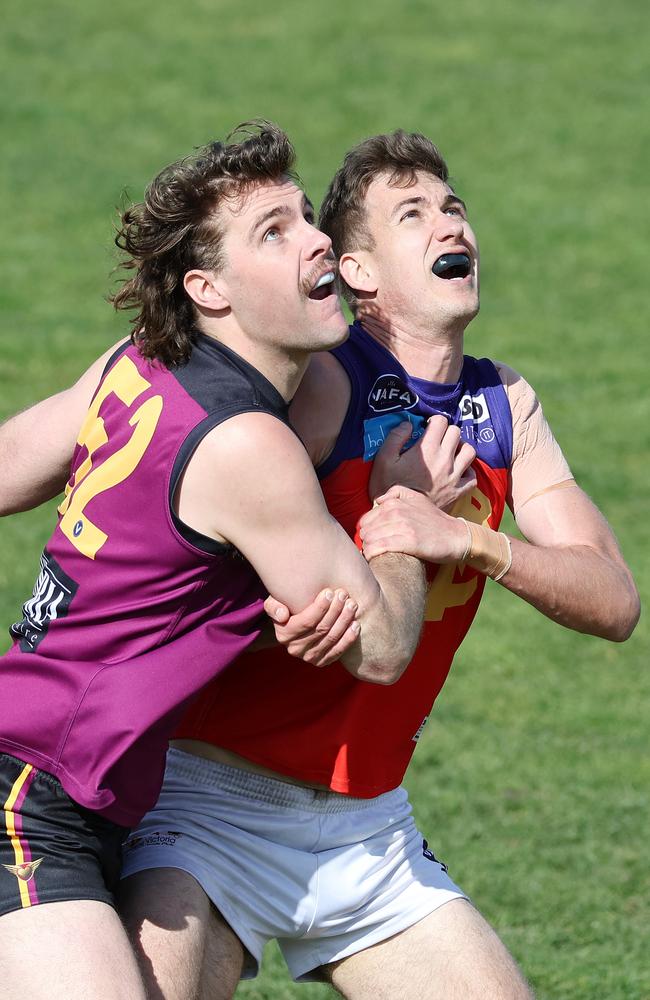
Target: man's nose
318 243
448 227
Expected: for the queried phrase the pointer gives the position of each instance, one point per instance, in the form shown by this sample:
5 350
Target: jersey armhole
348 425
114 356
187 449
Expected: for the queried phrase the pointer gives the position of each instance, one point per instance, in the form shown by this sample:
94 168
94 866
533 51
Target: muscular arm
569 567
251 482
36 446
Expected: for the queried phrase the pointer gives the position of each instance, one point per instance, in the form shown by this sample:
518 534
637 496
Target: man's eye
454 210
412 213
310 218
271 235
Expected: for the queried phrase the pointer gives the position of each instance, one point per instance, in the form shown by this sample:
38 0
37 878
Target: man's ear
206 290
357 271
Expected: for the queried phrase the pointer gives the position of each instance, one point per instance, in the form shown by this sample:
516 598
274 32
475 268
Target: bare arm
569 568
276 516
36 446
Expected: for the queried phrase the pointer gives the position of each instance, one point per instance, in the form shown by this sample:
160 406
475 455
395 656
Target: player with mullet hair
287 806
281 813
189 498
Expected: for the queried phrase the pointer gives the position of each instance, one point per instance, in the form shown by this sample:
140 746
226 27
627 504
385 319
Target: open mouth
452 265
324 287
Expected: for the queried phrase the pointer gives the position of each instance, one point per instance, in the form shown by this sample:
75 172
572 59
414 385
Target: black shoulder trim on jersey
215 375
224 385
187 449
115 355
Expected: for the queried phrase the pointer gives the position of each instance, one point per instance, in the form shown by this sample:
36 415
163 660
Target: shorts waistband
8 759
272 791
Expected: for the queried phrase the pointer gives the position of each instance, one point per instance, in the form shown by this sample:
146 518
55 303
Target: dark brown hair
397 154
177 227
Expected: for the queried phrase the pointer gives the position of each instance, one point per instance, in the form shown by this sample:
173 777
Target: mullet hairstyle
178 227
396 154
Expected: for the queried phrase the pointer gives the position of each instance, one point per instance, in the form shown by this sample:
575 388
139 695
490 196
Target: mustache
324 266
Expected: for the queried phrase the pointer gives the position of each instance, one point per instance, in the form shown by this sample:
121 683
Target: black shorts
51 848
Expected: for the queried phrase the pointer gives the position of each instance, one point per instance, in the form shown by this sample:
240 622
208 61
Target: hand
438 464
404 520
321 632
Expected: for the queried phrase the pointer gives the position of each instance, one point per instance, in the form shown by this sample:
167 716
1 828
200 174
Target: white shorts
327 875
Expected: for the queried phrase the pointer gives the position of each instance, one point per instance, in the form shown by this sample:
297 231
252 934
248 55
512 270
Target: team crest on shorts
24 872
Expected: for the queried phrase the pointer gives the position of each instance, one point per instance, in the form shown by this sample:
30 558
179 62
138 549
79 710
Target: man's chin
334 330
341 334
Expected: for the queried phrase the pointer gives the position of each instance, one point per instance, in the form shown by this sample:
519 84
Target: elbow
619 620
386 670
626 621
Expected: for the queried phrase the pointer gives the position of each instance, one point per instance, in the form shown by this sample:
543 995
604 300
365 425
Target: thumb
396 492
395 441
277 611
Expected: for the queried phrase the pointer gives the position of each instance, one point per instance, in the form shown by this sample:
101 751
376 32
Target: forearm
576 586
391 624
571 568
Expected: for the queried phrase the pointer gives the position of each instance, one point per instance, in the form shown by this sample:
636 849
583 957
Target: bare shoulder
523 399
513 382
252 454
320 404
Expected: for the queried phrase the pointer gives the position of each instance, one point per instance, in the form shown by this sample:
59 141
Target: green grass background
532 777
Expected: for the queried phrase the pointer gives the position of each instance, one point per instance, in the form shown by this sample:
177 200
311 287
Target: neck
284 369
433 354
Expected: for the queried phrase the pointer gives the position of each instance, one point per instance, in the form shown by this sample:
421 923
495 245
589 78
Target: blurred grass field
532 778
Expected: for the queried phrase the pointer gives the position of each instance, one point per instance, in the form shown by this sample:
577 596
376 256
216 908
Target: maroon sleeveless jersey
132 612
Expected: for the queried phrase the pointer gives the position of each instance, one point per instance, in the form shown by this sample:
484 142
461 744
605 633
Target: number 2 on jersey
446 590
125 381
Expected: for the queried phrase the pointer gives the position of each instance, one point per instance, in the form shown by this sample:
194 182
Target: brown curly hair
177 227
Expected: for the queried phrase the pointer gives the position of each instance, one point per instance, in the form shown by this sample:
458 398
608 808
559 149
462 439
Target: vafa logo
391 393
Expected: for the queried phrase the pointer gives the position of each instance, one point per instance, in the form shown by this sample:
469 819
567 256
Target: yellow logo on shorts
24 872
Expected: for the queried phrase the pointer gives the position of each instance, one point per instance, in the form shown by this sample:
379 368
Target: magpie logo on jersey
389 393
51 599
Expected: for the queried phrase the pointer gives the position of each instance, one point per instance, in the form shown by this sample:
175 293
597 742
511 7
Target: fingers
276 611
399 492
321 632
303 621
464 458
387 458
338 617
326 652
436 429
466 483
395 441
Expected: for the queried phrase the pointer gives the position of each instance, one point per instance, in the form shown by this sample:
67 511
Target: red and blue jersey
325 726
